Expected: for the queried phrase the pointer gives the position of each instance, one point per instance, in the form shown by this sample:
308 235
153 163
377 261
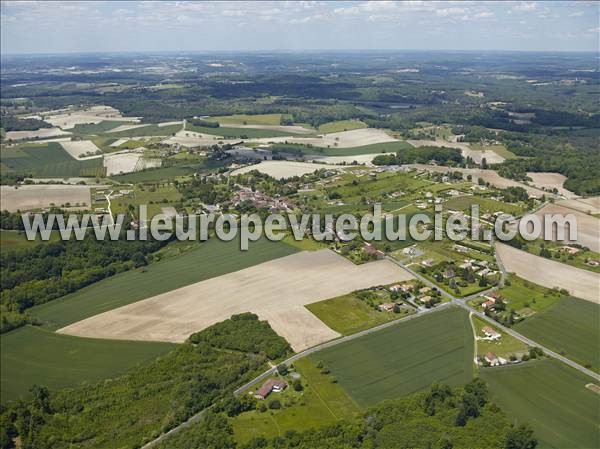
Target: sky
111 26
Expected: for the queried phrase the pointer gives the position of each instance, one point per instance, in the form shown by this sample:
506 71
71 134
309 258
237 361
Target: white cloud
525 7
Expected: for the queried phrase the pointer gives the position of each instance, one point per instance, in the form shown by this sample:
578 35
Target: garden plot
580 283
128 162
490 156
588 227
284 169
82 149
550 181
28 197
276 290
344 139
41 133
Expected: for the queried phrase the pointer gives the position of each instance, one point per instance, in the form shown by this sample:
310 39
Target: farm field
31 355
552 398
156 174
40 196
96 128
283 169
174 315
150 130
254 119
48 160
500 150
347 314
230 132
211 258
569 327
405 358
128 162
551 181
586 205
372 149
486 205
42 133
580 283
341 125
343 139
588 226
321 403
81 149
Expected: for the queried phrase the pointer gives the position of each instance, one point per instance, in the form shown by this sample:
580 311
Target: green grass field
552 398
239 133
500 150
347 314
48 160
376 148
258 119
341 125
17 240
405 358
31 355
506 346
522 294
98 128
570 327
156 174
209 259
321 403
150 130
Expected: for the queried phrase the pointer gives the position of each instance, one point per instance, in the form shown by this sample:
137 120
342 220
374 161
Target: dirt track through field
580 283
276 291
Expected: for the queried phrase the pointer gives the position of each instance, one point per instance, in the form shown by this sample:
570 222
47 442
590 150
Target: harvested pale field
38 196
366 159
550 181
68 180
490 156
93 115
128 162
487 175
284 169
588 227
292 129
119 142
583 284
344 139
276 290
586 205
81 149
179 122
125 128
193 139
41 133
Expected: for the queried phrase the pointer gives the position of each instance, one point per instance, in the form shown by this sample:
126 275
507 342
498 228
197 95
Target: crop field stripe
212 258
370 371
31 355
552 398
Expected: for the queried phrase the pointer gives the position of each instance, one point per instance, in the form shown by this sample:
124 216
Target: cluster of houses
491 301
260 200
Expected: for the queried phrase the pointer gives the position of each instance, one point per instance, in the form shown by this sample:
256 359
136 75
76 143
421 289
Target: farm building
491 333
269 386
387 307
494 360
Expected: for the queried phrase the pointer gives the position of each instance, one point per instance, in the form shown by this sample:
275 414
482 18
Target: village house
428 262
491 334
426 299
387 307
370 249
269 386
571 250
494 360
401 288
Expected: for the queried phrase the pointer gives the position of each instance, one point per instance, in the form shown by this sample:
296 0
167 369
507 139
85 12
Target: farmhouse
494 360
270 385
491 333
387 307
488 304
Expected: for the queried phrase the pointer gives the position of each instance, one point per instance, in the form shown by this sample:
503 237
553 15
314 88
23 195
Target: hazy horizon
129 26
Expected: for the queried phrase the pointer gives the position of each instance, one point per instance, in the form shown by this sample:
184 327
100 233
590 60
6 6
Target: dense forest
150 399
421 155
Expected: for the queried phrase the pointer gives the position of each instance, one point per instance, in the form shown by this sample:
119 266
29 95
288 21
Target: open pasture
276 291
570 327
580 283
31 355
552 398
404 358
41 196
